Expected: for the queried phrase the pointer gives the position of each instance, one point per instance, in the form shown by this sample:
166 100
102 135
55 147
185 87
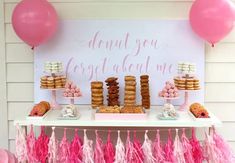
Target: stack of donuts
130 91
113 91
144 83
97 97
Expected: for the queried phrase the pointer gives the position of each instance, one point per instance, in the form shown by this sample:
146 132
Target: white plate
38 117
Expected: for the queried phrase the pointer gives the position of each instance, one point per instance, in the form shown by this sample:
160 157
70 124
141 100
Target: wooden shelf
87 119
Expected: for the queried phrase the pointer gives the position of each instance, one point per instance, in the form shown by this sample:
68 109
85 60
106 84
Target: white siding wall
16 58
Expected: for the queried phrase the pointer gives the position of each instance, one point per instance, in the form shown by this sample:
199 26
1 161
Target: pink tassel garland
226 151
88 153
20 144
53 147
157 149
212 153
30 139
120 151
147 149
187 148
196 148
138 149
76 149
178 149
168 148
109 151
99 154
64 149
41 146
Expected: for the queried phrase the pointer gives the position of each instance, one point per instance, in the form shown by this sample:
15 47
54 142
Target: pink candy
65 94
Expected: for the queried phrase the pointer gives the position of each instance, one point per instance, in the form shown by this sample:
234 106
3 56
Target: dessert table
87 120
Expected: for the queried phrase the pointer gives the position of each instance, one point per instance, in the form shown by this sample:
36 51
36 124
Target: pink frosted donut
67 90
77 94
77 90
175 89
171 95
168 86
164 90
70 95
171 90
73 86
65 94
176 94
72 90
166 95
160 94
67 85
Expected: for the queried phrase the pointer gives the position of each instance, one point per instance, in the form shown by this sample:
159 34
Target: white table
87 120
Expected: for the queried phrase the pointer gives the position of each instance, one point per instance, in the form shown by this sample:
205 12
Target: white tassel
147 149
120 150
88 153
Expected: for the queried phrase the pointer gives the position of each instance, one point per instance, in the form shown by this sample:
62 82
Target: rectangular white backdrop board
96 49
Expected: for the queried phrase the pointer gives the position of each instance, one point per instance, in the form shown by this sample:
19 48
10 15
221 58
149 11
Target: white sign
97 49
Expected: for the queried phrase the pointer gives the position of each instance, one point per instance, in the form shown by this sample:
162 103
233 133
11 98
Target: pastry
109 109
69 111
132 109
40 109
53 67
97 97
168 111
199 111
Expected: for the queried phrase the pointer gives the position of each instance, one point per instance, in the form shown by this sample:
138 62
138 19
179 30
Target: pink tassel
76 149
31 145
168 149
178 149
109 151
226 151
99 154
20 144
64 149
138 149
157 149
120 151
131 153
41 146
147 149
196 148
53 147
88 153
187 148
212 153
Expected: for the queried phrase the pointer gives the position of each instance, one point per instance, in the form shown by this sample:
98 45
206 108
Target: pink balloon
34 21
212 19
